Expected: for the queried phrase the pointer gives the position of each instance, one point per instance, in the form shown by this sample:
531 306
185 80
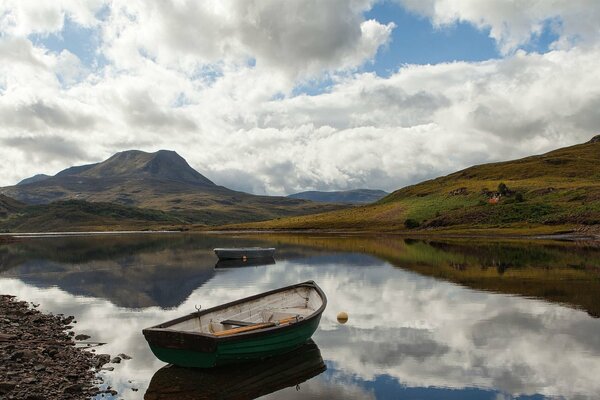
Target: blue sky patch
416 41
79 40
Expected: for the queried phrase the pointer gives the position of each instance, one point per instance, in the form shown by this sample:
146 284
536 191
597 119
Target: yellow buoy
342 317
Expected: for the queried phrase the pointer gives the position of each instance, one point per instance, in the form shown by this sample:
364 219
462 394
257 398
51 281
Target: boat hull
244 253
241 350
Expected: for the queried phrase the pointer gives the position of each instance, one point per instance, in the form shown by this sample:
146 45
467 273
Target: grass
77 215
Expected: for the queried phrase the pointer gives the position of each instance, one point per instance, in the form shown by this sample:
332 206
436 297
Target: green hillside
9 206
77 215
557 191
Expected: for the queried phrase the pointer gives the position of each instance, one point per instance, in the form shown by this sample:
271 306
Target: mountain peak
163 164
595 139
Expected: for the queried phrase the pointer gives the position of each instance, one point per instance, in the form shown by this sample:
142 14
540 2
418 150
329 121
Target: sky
274 97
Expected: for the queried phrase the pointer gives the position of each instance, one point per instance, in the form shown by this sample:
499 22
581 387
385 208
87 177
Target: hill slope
356 196
9 206
159 181
546 193
80 216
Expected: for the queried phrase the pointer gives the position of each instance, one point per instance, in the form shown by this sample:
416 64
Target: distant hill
553 192
33 179
159 181
356 196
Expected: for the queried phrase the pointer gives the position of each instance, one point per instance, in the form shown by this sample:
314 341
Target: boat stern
185 349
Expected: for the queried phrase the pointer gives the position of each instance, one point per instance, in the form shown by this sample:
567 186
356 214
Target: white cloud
299 38
513 23
23 17
213 81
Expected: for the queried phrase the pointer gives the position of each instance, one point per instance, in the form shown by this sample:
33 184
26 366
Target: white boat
244 253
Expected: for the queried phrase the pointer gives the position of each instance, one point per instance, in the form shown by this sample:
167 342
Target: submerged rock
101 359
124 356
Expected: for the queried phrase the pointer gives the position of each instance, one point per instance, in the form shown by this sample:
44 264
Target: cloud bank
218 82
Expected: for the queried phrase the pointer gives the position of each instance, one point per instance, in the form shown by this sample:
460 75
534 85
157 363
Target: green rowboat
252 328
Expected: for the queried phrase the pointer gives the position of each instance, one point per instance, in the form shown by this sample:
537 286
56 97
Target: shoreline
40 357
594 236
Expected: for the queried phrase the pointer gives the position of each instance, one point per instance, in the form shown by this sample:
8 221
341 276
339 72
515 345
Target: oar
257 326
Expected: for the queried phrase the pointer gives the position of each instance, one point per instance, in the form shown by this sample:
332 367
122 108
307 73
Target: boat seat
276 314
236 323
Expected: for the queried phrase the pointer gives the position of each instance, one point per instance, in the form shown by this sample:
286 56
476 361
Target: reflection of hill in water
561 272
163 270
127 282
239 382
132 271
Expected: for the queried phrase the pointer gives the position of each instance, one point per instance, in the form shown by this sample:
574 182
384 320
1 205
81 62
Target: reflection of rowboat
244 253
251 262
256 327
244 381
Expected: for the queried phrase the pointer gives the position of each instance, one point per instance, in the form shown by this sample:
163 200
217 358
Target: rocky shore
39 358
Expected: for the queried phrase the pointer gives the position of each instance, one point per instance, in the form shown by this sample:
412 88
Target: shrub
502 189
519 197
411 223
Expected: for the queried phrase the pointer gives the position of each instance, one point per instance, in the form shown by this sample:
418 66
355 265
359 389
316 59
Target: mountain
356 196
554 192
158 181
135 164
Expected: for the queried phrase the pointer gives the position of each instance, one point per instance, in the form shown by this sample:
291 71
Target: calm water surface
428 320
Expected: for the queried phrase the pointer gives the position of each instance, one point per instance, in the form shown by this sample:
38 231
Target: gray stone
7 386
102 359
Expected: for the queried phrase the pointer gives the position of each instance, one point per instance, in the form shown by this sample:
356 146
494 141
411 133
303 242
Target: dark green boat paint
239 350
190 349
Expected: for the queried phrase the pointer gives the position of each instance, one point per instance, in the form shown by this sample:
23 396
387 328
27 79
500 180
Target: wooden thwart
238 323
256 326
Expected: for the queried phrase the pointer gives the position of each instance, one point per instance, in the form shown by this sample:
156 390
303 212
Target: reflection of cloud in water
319 389
417 330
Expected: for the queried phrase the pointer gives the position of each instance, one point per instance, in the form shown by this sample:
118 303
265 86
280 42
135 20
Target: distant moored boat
244 253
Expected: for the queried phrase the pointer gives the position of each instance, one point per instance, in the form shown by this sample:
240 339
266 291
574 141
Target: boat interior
293 304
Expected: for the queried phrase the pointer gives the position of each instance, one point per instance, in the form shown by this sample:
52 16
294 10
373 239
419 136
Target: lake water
427 319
